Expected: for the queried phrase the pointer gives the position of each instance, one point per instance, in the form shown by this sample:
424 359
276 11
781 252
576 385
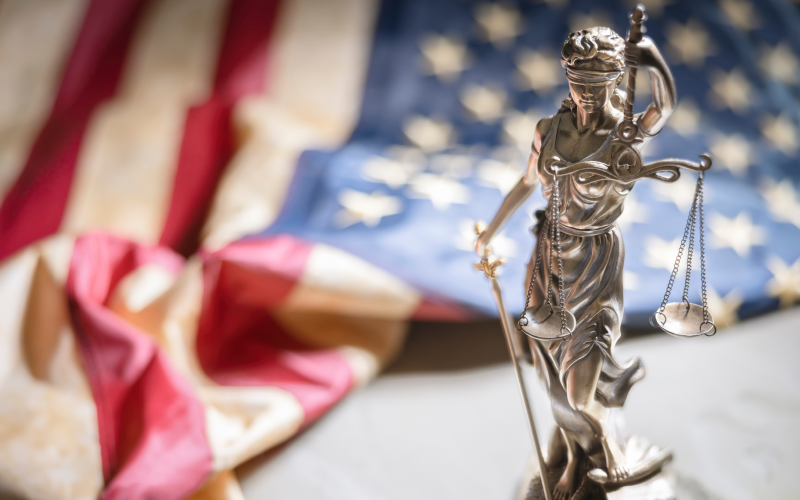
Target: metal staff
489 268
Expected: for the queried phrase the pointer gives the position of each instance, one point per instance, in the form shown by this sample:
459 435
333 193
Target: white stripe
126 169
36 40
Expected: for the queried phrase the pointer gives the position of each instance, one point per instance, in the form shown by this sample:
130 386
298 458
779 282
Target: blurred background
220 217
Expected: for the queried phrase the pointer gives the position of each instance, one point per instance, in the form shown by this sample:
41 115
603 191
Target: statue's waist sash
577 231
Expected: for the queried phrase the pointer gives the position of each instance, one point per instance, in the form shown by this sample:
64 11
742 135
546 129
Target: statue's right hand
482 245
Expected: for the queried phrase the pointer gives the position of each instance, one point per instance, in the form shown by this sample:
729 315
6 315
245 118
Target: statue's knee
579 403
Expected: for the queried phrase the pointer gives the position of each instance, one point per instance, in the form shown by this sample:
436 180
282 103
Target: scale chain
706 318
690 250
561 304
678 259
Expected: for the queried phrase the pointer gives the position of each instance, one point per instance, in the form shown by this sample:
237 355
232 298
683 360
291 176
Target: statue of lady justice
587 158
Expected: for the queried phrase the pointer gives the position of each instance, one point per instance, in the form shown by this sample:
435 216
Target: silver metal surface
544 322
587 158
683 319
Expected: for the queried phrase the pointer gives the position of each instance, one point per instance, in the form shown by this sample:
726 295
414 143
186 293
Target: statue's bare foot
615 462
563 489
565 486
618 474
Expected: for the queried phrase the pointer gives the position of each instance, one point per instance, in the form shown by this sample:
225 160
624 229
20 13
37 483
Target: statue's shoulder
542 129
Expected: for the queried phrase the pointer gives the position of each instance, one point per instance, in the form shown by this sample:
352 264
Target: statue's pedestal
659 485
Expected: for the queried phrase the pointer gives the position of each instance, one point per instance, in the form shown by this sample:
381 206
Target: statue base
657 485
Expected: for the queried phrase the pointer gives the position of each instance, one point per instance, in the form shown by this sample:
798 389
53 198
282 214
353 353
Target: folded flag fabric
218 216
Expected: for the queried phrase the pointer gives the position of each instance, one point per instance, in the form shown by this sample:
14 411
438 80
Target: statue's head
594 60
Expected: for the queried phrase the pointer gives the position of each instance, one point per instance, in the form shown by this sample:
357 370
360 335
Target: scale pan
683 319
543 322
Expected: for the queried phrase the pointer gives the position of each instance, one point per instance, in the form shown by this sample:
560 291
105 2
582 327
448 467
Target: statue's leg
556 448
567 483
581 384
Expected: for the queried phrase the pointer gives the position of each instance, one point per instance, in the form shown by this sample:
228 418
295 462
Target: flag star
782 200
689 43
661 254
393 173
738 233
366 208
781 133
519 128
442 190
444 56
785 284
634 212
680 192
499 24
500 175
429 134
732 152
724 309
454 165
485 104
781 64
539 71
595 18
740 13
630 281
653 7
685 119
730 90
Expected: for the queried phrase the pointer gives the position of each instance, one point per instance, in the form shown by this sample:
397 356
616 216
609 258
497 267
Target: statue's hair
581 48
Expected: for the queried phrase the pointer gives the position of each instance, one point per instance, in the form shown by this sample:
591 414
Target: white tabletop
445 421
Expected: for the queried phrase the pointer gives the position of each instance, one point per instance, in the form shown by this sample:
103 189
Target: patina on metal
587 158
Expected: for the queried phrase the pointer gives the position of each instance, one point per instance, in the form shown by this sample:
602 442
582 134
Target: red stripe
151 424
238 341
36 202
208 144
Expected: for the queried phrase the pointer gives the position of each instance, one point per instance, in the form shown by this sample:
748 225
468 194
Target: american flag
218 216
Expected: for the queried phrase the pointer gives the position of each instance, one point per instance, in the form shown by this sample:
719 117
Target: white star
595 18
630 281
652 7
366 208
680 192
499 174
723 309
501 244
782 200
732 152
738 233
446 57
454 165
740 13
689 43
539 71
519 128
442 190
781 63
685 120
730 90
785 284
634 212
485 104
661 254
393 173
781 133
499 24
429 134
